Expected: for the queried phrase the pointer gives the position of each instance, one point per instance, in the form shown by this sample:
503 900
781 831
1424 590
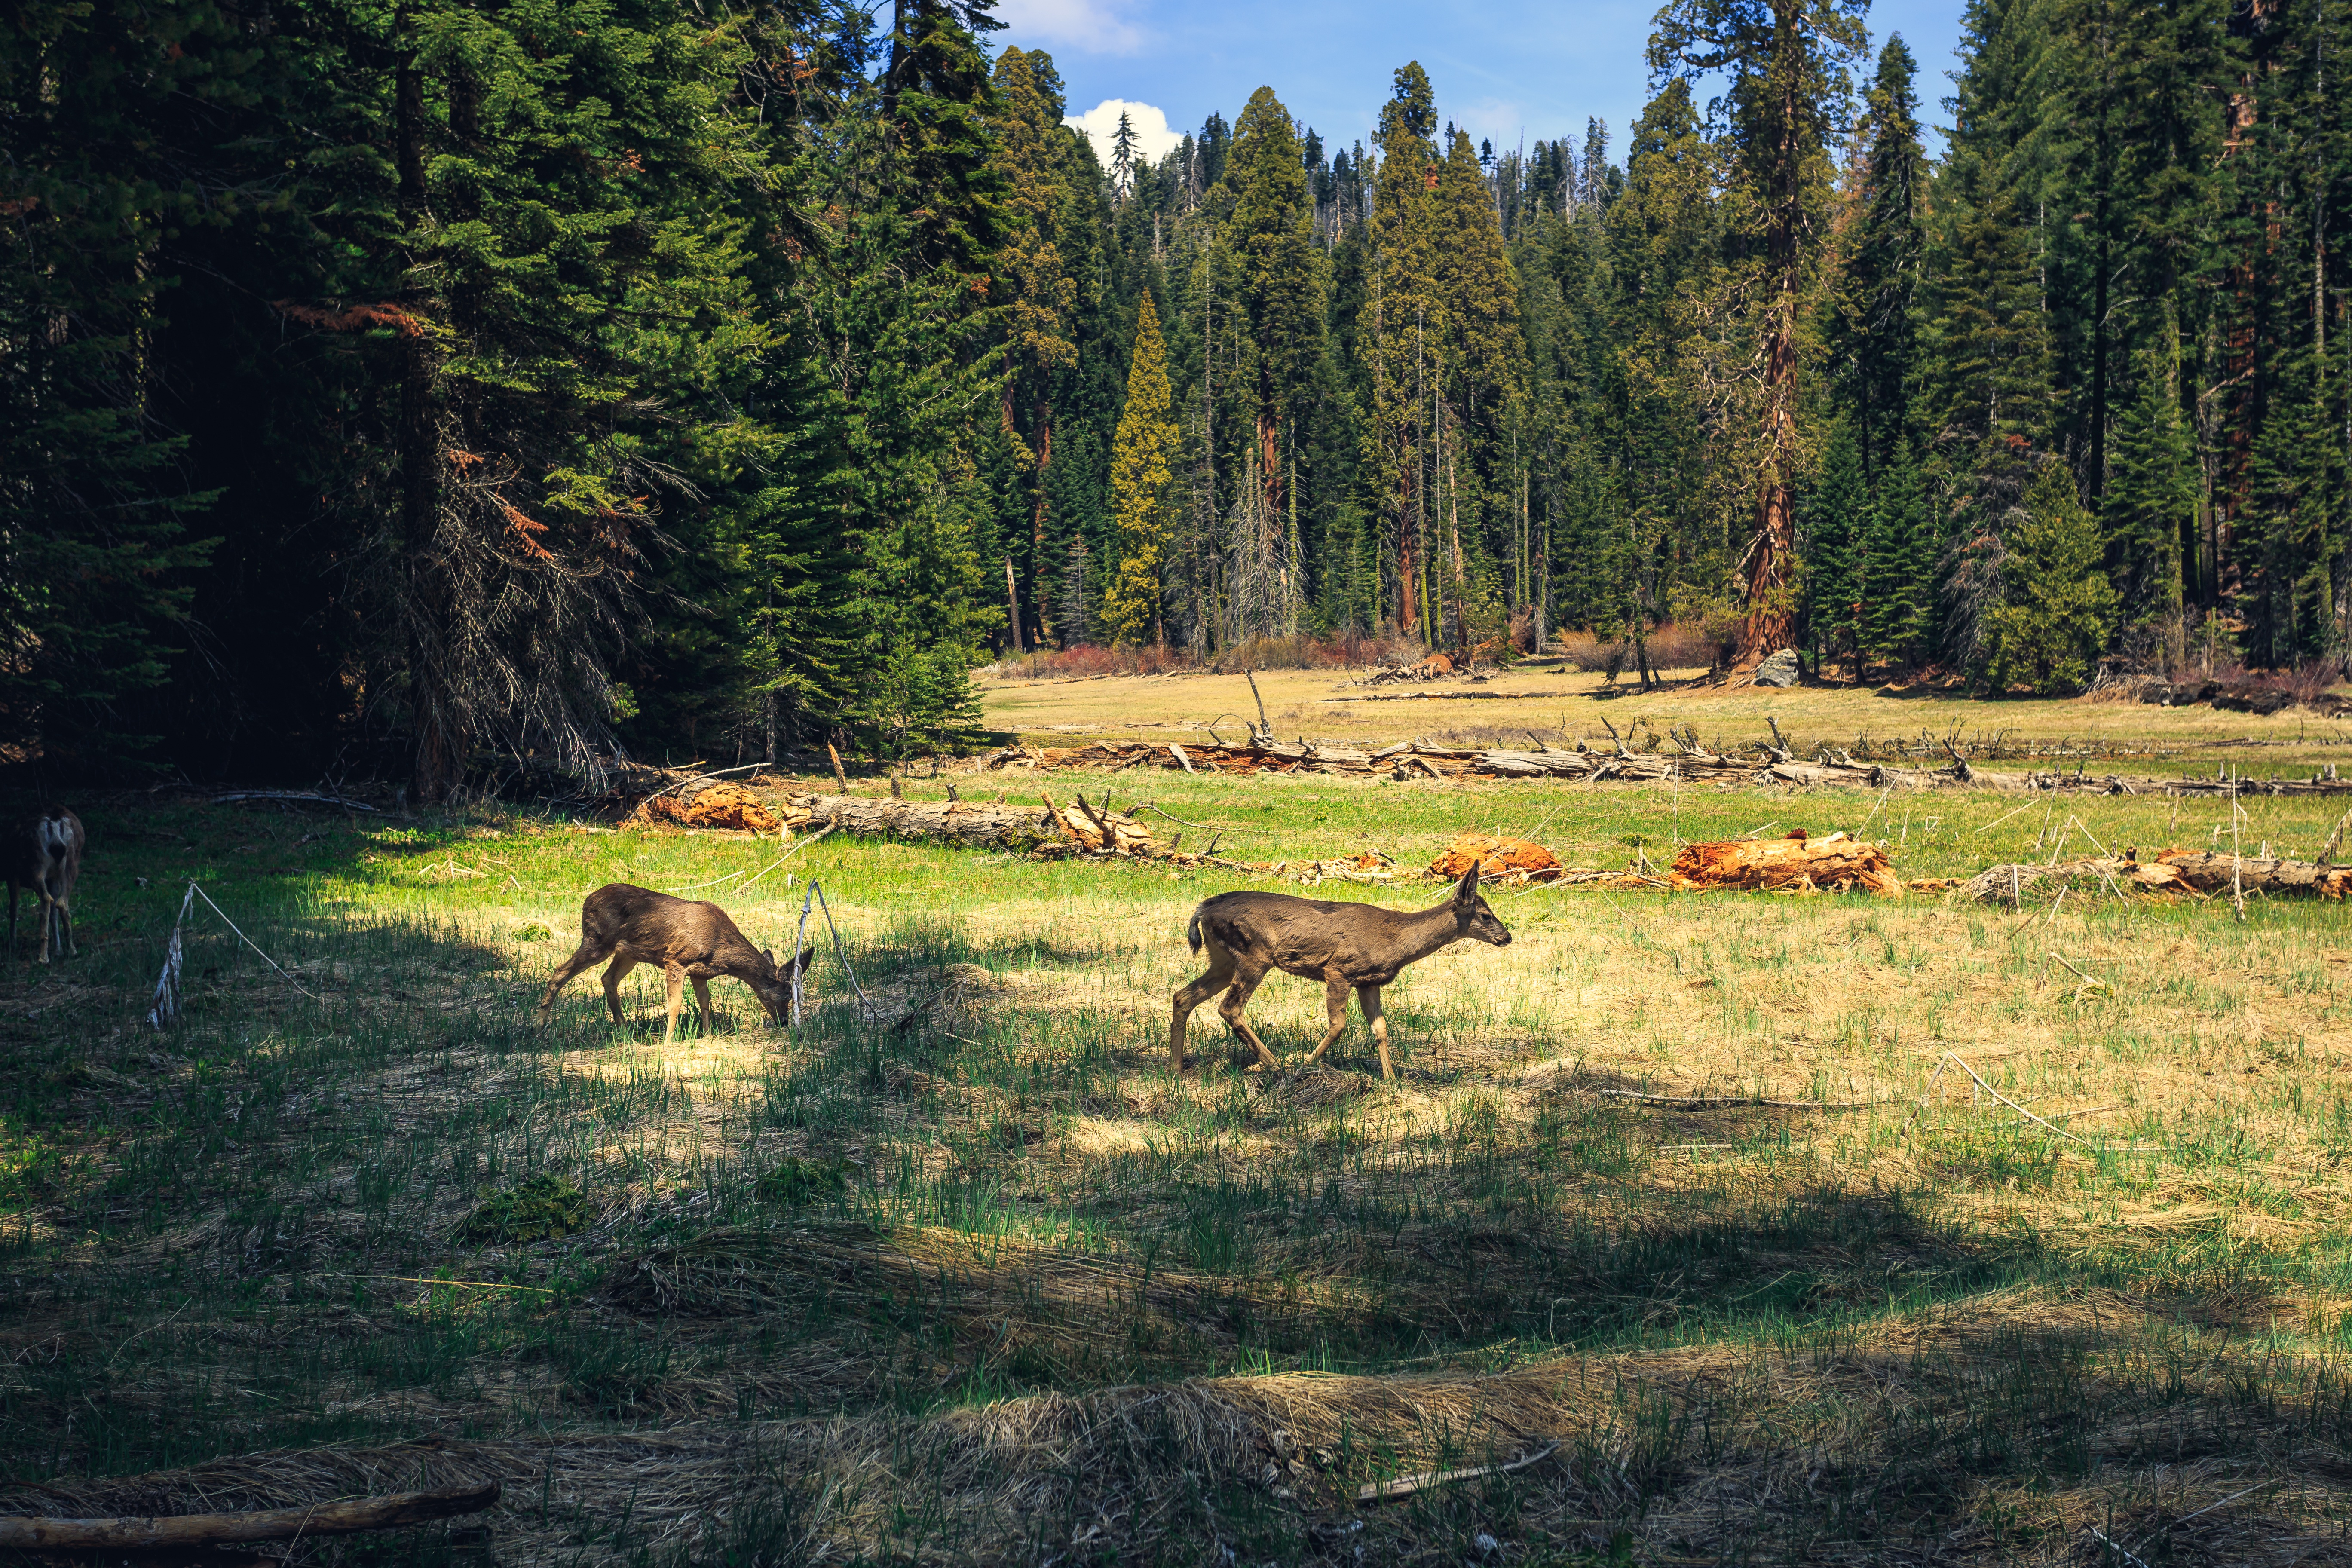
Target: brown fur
690 939
44 855
1358 947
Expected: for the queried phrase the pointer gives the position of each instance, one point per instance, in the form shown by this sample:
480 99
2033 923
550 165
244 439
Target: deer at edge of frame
44 855
690 939
1360 947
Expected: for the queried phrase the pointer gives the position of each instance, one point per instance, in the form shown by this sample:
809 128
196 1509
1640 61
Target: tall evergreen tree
1402 317
1141 476
1033 152
1785 61
1277 284
1872 334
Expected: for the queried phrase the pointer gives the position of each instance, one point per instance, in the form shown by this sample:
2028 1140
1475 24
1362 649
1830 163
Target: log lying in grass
1422 760
199 1530
1084 825
2175 870
1796 864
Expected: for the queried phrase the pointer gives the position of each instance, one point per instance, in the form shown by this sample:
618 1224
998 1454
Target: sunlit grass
251 1232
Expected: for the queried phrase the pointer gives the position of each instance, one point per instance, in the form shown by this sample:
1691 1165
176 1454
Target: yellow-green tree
1140 479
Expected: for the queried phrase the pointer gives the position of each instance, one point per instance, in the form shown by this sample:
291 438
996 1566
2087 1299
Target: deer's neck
1426 931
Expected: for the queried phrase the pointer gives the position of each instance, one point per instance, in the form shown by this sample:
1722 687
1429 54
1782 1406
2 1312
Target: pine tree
2150 505
1786 64
1835 543
1032 153
1898 569
94 518
1141 476
1122 157
1402 317
1871 333
2059 608
1278 282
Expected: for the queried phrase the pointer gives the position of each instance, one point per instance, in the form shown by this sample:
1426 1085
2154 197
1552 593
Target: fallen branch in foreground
294 797
195 1529
1405 1486
1726 1102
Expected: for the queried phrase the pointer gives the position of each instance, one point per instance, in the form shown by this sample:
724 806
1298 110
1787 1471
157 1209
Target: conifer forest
410 387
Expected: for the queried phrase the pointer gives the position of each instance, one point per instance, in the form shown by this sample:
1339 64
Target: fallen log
1499 859
2197 871
966 822
198 1530
1795 864
724 804
2210 873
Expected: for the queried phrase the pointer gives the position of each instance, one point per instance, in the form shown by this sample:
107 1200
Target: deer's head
1473 916
775 992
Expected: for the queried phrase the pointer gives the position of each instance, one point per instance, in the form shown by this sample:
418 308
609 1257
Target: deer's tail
1192 932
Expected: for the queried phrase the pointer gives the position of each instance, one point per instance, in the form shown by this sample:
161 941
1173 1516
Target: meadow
2040 1252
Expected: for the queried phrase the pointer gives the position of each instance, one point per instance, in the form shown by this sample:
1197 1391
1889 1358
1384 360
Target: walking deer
690 939
1357 946
44 855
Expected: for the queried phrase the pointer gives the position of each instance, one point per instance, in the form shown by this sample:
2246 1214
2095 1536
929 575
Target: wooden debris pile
2197 872
1507 860
720 803
1797 864
1775 764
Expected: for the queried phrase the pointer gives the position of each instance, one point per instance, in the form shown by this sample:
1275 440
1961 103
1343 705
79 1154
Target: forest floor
1557 703
959 1273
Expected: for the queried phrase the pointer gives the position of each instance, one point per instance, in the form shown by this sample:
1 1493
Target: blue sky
1500 71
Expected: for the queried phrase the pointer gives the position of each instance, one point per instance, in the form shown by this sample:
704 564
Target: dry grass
1566 703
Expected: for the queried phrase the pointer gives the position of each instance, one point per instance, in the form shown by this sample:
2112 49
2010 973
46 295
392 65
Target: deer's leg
1369 999
64 923
1245 986
583 956
1335 998
675 973
49 908
612 977
1221 970
702 1001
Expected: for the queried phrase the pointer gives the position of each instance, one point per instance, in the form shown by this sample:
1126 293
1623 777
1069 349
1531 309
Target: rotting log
1422 759
1795 864
970 823
174 1532
2196 871
2210 873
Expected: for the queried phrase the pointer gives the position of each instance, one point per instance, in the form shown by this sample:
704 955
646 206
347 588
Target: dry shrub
1671 647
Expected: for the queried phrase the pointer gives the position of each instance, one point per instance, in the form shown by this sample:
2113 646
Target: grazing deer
44 855
1343 945
690 939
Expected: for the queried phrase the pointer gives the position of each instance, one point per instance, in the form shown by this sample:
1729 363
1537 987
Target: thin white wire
772 866
249 941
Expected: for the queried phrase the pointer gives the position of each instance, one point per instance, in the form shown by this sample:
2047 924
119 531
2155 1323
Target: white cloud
1096 26
1100 123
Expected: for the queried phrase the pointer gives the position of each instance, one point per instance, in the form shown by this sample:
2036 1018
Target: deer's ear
1467 892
